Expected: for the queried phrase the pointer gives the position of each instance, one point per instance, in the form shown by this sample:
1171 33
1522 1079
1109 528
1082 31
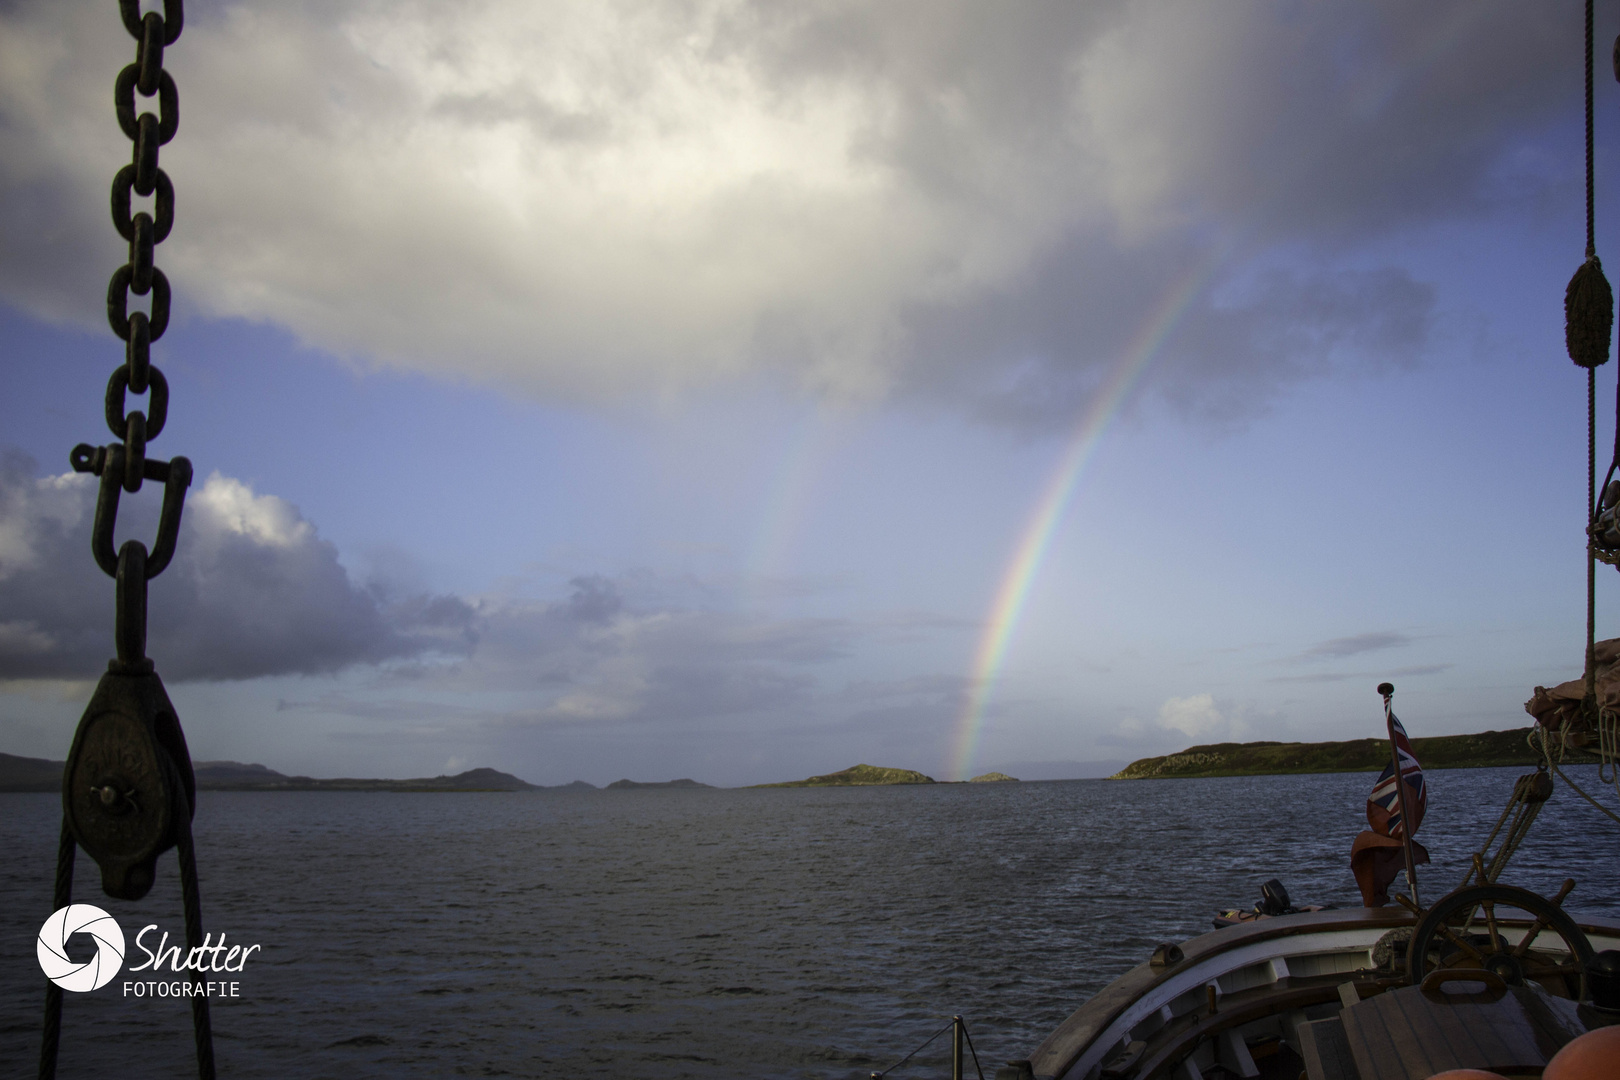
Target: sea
715 933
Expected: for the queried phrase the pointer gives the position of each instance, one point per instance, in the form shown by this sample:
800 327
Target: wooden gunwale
1059 1053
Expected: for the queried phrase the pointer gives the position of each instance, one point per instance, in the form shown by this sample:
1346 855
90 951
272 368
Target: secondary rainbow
1036 539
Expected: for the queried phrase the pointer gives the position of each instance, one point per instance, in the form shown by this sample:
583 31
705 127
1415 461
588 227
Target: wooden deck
1411 1034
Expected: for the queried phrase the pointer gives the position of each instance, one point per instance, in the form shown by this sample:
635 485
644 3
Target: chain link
125 466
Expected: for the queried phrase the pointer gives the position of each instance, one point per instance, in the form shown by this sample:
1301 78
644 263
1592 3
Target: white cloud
1194 716
591 199
253 590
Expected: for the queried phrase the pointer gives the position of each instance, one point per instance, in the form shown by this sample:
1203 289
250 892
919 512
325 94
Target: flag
1383 810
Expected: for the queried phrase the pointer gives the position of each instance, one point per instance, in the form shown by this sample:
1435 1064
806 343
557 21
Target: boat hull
1201 1004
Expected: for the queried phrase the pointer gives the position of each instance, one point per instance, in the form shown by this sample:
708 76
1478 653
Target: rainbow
797 473
1032 547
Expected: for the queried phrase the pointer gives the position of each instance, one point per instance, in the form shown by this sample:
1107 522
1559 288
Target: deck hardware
1603 979
1493 983
1166 955
1117 1067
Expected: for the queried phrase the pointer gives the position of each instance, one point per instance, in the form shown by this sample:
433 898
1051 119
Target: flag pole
1388 690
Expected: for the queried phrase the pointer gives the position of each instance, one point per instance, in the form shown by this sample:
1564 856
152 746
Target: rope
1508 809
1609 749
1523 811
1591 230
1584 795
202 1029
1516 834
1589 693
917 1051
976 1066
1546 753
52 1035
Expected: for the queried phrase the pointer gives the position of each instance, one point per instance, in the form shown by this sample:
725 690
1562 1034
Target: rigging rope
926 1043
1539 734
929 1041
1588 321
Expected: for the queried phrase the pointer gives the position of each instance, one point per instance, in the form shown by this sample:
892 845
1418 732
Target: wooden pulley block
127 780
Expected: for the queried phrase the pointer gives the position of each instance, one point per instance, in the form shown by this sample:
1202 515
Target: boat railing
959 1038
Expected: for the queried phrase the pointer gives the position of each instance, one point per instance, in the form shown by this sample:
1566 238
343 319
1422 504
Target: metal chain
124 467
151 751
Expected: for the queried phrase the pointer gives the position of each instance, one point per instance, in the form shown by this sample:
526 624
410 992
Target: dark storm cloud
252 591
985 207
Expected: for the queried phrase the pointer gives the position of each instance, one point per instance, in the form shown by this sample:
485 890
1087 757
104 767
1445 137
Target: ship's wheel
1507 931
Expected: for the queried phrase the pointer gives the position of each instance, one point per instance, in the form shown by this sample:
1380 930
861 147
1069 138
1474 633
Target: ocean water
710 933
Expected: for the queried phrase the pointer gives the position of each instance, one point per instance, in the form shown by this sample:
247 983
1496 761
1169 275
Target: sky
740 391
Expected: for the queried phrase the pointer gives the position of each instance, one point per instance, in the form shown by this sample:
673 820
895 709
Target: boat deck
1411 1034
1321 992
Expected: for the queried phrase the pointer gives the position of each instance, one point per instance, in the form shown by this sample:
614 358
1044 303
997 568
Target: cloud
253 589
1194 716
1344 676
940 200
1339 648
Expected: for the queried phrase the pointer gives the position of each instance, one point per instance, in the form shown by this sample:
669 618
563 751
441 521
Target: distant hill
993 778
37 774
622 784
29 774
1487 749
859 776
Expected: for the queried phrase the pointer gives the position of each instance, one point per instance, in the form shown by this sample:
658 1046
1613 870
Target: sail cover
1559 708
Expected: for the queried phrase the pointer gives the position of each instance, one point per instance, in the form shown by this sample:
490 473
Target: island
620 785
994 778
858 776
1487 749
39 774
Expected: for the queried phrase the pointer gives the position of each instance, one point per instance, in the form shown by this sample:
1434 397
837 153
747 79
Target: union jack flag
1383 811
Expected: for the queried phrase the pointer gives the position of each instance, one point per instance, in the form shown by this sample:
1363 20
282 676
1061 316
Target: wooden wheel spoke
1541 920
1462 943
1490 924
1535 931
